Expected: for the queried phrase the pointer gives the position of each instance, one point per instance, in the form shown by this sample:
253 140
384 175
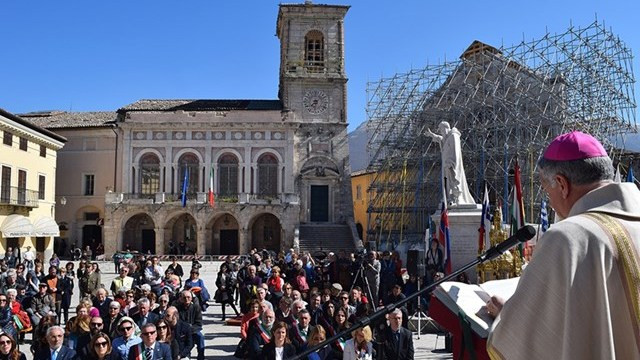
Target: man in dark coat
144 316
397 342
181 331
102 302
190 313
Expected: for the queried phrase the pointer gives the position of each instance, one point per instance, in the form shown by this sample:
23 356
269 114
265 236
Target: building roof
32 126
361 172
479 47
63 119
201 105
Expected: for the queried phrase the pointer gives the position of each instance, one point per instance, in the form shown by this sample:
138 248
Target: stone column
246 164
254 167
281 178
201 241
167 170
111 238
176 175
159 240
243 240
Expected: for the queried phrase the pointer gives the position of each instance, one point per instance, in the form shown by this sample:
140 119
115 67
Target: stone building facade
270 164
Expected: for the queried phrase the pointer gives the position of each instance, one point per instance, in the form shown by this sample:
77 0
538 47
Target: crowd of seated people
293 302
146 312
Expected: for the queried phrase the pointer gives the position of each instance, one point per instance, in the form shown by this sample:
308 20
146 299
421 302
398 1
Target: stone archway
224 238
266 232
139 234
182 231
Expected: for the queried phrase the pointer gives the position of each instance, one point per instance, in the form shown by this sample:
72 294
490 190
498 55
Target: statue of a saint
457 189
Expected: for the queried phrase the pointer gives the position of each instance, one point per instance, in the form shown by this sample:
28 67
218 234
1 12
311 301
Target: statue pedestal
464 222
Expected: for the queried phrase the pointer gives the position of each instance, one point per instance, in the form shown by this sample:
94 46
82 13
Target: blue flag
630 177
544 216
185 187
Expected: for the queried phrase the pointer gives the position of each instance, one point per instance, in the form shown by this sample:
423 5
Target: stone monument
463 212
454 179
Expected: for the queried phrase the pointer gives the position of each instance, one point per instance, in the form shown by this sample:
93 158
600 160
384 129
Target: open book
472 300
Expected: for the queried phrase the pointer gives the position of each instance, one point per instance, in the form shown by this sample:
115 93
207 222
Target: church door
319 203
229 242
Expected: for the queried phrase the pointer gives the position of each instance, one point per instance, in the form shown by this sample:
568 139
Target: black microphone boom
525 233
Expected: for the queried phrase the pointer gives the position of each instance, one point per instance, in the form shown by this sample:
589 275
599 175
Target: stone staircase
326 237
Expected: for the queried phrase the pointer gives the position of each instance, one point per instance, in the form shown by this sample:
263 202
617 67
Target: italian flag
211 198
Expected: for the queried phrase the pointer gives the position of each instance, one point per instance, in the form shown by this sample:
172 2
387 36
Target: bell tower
313 91
312 75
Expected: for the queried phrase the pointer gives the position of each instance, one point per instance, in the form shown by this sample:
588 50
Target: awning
16 226
46 226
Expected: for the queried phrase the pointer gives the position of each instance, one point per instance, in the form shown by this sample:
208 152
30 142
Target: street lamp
63 201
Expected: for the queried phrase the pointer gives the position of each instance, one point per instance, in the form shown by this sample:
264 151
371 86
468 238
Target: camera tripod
418 313
366 287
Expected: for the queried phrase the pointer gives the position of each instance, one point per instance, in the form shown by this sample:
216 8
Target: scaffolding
508 103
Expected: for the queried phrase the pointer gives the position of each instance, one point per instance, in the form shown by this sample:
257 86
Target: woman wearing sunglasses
165 336
99 347
9 349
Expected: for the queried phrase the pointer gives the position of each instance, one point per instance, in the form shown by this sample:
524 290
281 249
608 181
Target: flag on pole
443 237
617 178
630 177
185 187
544 216
517 207
211 199
484 240
544 223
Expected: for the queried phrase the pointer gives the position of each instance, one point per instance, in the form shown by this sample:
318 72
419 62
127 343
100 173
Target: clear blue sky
102 55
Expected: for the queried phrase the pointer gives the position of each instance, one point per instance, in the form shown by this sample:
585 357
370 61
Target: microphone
523 234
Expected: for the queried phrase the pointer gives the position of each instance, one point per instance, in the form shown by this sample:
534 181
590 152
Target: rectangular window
7 139
5 186
41 186
88 184
359 192
23 144
22 187
43 151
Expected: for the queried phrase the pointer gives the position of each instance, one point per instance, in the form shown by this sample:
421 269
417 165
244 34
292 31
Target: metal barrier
179 257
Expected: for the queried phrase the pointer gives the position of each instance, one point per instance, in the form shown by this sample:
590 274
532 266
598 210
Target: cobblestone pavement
221 340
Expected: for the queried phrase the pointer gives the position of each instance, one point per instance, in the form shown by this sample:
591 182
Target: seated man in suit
149 348
55 350
180 330
397 342
144 316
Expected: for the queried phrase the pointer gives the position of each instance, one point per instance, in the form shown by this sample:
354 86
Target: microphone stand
490 254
